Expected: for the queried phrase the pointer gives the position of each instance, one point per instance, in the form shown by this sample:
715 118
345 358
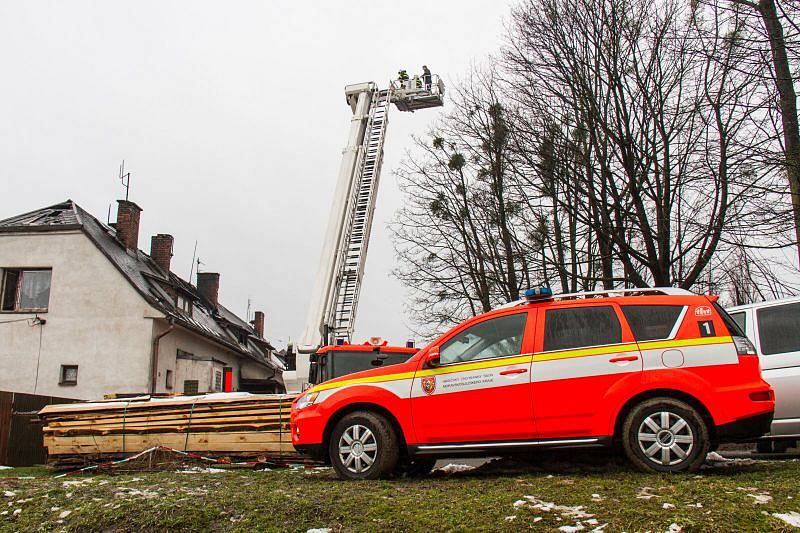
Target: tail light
763 396
744 346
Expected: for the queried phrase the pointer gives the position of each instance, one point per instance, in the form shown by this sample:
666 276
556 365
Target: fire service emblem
429 384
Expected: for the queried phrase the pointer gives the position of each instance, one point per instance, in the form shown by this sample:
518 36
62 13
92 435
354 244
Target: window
578 327
69 375
217 381
183 304
26 290
191 386
730 323
779 328
739 318
497 337
651 322
169 380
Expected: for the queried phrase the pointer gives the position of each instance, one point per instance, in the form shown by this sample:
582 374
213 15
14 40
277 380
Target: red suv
663 372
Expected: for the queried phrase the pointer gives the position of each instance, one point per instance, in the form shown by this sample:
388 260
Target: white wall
199 346
95 320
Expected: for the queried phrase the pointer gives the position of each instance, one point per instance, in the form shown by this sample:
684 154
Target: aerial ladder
334 300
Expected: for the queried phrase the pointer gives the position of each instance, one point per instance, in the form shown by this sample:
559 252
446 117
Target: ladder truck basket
414 93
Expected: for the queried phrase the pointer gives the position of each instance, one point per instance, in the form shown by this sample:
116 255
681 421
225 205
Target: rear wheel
363 445
665 435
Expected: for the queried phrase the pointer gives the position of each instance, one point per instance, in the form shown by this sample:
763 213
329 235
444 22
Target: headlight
306 400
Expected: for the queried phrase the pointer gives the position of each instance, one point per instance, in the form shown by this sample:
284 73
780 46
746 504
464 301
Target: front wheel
363 445
665 435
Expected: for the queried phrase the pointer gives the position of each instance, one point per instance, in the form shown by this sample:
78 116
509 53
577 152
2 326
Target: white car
774 327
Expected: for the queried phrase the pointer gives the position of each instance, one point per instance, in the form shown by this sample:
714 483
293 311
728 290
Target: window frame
530 322
62 374
675 327
626 335
757 323
20 271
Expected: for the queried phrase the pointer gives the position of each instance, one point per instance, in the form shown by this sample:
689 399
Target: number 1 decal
706 328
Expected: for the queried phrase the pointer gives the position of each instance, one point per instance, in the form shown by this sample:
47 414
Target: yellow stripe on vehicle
527 358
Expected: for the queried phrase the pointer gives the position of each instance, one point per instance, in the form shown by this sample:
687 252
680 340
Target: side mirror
432 358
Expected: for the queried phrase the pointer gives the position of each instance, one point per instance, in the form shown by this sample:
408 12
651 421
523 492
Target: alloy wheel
358 448
665 438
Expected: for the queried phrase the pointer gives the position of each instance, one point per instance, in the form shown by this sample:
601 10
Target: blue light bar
538 293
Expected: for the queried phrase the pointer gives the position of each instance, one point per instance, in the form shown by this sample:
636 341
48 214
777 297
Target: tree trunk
788 105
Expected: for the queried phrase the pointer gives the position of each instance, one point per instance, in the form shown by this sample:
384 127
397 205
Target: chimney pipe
258 323
161 250
128 224
208 286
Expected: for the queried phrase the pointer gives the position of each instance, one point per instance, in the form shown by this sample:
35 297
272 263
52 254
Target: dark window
343 363
739 318
733 327
69 375
779 328
496 337
651 322
577 327
217 381
169 379
26 290
191 386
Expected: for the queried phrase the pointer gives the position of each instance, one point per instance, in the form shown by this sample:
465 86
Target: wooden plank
200 442
217 399
182 415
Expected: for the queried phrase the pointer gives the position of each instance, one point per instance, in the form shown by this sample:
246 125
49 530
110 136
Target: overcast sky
231 117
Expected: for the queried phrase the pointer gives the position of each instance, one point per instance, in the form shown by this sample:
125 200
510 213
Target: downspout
154 356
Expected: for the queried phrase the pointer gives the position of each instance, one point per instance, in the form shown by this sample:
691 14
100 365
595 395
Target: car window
496 337
578 327
739 318
651 322
779 328
730 323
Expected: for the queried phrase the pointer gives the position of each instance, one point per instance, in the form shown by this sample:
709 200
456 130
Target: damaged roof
158 287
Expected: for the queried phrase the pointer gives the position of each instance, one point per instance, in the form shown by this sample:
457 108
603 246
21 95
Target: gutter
154 356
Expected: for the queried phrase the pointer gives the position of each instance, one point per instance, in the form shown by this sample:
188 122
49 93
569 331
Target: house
85 313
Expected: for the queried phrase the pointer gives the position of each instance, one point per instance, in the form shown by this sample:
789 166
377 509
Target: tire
781 446
417 467
363 445
665 435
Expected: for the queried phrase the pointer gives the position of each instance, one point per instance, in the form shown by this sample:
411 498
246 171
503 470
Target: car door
778 342
580 353
480 391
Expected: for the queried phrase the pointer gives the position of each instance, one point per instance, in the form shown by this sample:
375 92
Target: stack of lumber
232 425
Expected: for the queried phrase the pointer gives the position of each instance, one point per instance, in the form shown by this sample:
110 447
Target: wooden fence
21 442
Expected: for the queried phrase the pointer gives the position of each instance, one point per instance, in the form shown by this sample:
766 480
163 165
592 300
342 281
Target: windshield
343 363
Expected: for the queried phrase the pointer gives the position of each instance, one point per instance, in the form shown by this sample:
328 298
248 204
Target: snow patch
572 529
64 514
4 467
792 518
645 493
674 528
668 506
715 460
510 518
760 499
9 494
453 468
201 470
319 530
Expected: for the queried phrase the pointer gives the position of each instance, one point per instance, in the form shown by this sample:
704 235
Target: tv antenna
125 179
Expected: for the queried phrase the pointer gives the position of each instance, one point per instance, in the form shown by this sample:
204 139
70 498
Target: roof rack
610 293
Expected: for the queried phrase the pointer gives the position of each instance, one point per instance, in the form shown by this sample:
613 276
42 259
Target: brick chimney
161 250
208 286
258 323
128 224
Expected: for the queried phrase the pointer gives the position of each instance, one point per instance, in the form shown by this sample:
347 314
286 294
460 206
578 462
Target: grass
296 500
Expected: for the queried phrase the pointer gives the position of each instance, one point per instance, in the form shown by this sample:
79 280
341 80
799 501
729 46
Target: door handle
513 371
624 358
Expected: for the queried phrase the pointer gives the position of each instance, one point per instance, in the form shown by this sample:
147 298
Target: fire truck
334 299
